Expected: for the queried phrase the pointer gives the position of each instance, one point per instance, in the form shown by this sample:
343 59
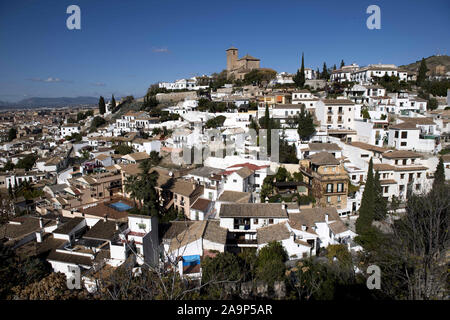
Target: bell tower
232 57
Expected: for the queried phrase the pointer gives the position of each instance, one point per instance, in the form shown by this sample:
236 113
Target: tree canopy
101 105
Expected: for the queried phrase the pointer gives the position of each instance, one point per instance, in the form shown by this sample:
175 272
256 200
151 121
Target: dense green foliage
270 263
83 115
215 122
306 126
15 271
97 122
27 162
299 78
123 149
367 209
422 74
101 105
12 134
259 77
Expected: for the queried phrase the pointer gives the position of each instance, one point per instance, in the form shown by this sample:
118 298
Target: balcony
242 227
325 192
241 241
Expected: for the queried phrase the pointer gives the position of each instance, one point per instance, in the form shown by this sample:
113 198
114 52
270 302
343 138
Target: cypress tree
299 78
439 175
367 208
302 72
325 72
267 126
113 103
318 76
422 75
334 66
342 63
101 105
306 127
380 202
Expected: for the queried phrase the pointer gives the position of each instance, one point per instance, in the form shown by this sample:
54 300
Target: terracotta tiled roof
256 210
235 196
323 158
337 102
275 232
201 204
400 154
215 233
368 147
404 126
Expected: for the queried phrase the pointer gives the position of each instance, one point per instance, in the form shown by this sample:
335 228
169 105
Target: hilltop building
240 67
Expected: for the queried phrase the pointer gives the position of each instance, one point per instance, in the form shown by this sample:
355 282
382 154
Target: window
234 180
396 134
404 161
353 177
418 186
402 176
339 199
329 187
270 221
418 175
386 189
329 199
255 221
340 187
403 144
196 215
404 134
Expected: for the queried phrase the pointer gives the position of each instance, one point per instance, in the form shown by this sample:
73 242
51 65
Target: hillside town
202 172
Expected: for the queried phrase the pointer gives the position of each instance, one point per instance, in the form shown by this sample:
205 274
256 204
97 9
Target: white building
335 113
69 129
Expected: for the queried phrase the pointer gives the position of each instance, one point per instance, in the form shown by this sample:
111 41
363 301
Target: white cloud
49 79
161 50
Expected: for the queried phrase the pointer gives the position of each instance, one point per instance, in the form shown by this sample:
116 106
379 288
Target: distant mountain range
35 102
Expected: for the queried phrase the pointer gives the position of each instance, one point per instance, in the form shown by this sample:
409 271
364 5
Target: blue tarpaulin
191 260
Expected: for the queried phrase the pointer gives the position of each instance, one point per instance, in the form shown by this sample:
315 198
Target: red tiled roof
248 165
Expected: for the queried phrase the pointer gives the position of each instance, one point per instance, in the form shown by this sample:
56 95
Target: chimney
58 221
326 218
41 222
303 227
283 205
193 186
117 226
39 236
105 218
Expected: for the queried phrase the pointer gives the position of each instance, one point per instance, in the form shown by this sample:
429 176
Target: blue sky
125 46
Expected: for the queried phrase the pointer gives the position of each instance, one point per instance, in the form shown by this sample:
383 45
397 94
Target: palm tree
131 187
145 185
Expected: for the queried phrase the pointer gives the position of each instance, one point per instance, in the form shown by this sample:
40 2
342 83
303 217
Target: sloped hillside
431 62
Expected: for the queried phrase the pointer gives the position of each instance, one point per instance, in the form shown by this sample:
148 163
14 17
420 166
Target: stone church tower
232 59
